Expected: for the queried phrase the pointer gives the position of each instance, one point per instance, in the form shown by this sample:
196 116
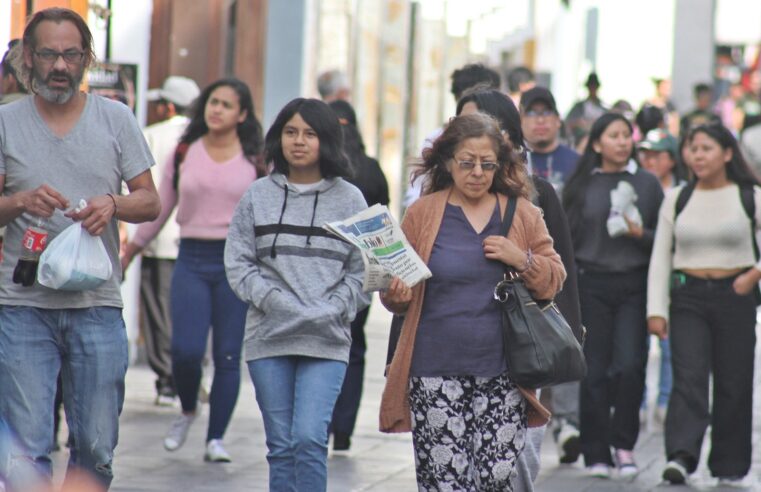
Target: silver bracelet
529 262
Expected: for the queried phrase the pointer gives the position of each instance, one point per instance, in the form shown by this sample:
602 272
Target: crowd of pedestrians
636 225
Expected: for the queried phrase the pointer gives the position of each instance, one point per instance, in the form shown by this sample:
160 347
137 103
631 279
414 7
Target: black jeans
347 406
712 330
613 310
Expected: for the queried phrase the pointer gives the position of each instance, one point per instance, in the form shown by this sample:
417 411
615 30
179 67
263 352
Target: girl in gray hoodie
303 287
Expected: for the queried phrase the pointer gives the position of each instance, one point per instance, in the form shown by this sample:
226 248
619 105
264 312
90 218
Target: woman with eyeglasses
702 295
612 274
448 381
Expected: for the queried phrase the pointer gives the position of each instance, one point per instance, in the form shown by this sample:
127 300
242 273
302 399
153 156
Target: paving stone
377 462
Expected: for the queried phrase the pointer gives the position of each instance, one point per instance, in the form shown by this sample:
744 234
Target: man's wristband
113 199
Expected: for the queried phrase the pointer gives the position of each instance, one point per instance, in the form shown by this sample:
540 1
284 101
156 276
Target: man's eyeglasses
531 113
69 56
487 167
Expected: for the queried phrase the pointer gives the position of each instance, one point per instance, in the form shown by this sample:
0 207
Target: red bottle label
34 240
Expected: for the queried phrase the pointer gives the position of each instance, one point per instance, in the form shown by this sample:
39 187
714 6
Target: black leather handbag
540 348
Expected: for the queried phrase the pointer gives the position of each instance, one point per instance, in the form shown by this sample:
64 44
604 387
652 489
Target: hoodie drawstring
311 223
273 253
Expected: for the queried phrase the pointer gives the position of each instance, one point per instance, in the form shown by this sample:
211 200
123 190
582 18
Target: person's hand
397 297
658 326
42 201
746 282
127 254
96 216
502 249
635 230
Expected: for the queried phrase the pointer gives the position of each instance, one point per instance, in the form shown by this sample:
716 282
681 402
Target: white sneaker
569 444
215 453
625 463
675 472
178 432
731 481
599 470
165 401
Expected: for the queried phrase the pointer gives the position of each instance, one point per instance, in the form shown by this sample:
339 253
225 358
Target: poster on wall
117 81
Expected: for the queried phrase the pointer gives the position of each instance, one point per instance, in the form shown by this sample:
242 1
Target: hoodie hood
281 181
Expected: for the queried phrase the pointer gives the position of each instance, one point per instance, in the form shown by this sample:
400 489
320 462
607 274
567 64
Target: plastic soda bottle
32 244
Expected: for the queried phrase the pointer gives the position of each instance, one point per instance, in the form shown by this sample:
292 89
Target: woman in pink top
215 162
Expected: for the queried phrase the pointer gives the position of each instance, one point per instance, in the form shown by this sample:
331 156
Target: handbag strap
507 222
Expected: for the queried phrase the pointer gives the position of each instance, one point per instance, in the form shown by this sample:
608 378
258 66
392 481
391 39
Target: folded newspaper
385 251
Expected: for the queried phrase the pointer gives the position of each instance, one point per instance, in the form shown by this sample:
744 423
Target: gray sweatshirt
303 285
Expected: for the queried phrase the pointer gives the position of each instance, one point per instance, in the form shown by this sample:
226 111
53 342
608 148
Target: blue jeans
201 298
89 348
296 396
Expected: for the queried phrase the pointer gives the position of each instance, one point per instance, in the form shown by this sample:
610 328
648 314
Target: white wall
634 44
738 21
130 42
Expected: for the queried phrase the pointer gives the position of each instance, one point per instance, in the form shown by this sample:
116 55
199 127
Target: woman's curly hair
510 179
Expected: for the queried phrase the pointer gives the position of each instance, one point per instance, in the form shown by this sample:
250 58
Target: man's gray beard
53 96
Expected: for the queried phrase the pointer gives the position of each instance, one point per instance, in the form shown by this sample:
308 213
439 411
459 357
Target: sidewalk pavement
377 462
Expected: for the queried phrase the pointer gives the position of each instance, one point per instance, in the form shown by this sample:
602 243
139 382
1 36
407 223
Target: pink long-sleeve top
208 193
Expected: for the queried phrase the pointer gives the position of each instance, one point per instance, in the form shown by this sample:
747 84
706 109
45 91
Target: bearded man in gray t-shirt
58 147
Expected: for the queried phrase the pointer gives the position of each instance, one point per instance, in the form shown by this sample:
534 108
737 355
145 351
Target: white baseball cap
181 91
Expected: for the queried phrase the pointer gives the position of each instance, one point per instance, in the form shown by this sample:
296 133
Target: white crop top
712 232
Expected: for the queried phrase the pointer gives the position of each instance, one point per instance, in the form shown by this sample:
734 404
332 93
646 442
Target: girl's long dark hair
738 170
249 130
510 179
501 107
354 146
322 119
576 187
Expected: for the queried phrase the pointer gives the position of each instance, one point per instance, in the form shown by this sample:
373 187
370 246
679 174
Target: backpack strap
683 198
179 155
681 201
748 199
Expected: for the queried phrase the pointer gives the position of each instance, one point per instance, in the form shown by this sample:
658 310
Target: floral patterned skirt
467 432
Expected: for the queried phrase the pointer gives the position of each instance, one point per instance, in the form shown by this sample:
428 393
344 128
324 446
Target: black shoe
341 441
569 444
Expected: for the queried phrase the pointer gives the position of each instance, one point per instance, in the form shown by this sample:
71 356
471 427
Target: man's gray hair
330 82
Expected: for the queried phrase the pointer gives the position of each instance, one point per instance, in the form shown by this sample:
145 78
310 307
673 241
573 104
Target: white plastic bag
74 260
622 200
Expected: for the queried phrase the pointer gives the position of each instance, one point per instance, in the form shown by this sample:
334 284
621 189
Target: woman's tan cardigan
544 279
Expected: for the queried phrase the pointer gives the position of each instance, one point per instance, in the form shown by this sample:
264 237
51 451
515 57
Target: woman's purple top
459 332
